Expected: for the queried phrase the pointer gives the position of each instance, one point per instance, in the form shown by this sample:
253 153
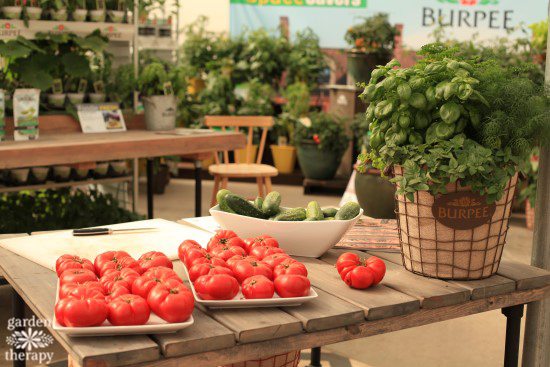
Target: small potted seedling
56 99
99 92
58 9
101 169
119 167
19 176
61 173
33 10
77 96
80 173
12 9
116 9
97 10
39 174
79 10
159 101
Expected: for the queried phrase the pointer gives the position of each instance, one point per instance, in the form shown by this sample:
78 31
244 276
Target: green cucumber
314 210
330 212
294 215
220 197
348 211
258 202
243 207
272 203
311 219
329 218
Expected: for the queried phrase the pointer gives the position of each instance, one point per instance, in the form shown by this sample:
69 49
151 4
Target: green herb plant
306 61
152 78
327 129
256 101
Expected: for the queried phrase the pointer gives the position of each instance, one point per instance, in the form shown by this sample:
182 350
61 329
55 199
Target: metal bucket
160 112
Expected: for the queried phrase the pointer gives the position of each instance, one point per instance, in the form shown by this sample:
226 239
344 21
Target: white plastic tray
240 302
155 325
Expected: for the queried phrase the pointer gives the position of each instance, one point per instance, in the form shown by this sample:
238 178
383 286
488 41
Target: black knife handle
91 231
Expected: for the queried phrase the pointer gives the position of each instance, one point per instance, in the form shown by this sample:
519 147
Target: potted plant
101 170
32 10
528 191
296 107
116 10
39 174
538 40
321 141
123 86
12 9
372 44
78 10
76 90
452 133
159 101
58 9
97 14
61 173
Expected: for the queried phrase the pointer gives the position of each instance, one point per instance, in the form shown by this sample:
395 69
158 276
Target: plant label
57 86
99 87
82 86
168 90
462 210
100 4
2 115
25 113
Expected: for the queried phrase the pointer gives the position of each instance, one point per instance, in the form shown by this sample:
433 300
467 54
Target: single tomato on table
153 259
247 268
360 274
81 311
227 252
276 259
257 287
68 288
171 303
217 287
198 270
128 309
66 262
290 267
225 238
262 252
264 240
77 276
118 278
186 246
288 286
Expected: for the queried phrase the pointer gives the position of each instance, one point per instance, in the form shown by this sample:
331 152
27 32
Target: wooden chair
224 170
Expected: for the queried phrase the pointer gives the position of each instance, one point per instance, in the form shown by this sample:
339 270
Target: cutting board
44 249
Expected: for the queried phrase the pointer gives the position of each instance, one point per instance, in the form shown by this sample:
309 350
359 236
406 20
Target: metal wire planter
289 359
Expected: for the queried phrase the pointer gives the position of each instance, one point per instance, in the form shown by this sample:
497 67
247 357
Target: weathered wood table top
67 148
401 301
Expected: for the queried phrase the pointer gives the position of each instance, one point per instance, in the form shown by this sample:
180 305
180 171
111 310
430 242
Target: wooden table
68 148
401 301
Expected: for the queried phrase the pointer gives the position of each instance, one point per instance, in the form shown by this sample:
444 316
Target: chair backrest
233 123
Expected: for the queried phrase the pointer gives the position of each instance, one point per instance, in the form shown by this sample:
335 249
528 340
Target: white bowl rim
217 209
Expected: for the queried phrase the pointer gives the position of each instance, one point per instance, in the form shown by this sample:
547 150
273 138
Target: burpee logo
26 344
468 14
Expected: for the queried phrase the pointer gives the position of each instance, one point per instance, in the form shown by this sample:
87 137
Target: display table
403 300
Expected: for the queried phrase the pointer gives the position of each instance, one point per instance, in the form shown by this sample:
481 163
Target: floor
475 341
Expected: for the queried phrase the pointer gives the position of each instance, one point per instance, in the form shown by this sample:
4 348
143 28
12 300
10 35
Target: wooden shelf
57 185
11 29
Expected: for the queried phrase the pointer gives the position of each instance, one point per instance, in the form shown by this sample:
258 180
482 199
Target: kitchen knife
105 230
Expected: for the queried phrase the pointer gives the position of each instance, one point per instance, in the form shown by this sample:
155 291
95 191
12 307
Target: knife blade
105 230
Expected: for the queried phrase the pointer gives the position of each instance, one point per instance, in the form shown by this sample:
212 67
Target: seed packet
25 113
2 115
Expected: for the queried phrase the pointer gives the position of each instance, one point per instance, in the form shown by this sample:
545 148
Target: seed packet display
2 115
25 113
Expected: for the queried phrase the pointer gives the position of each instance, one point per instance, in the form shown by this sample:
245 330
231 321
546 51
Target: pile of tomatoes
256 266
358 273
118 288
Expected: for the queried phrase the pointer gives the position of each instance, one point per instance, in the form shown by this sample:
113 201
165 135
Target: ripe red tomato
262 252
106 257
235 259
143 285
121 263
77 276
68 288
118 278
227 252
224 238
198 270
258 286
276 259
66 262
245 269
171 303
264 240
292 286
162 273
153 259
117 291
196 256
128 309
360 274
290 267
218 286
185 246
81 312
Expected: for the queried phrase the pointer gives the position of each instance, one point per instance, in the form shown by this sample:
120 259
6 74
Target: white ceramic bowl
307 238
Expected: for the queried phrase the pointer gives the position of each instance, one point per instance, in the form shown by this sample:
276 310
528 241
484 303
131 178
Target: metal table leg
198 188
513 328
150 188
18 310
315 357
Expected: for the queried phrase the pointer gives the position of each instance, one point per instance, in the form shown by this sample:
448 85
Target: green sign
304 3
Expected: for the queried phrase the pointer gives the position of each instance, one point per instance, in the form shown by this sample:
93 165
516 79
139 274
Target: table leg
150 188
513 328
198 188
18 311
315 357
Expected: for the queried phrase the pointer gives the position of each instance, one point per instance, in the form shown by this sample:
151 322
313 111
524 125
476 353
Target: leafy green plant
48 210
123 86
539 38
199 49
296 106
325 130
374 34
448 119
306 61
152 78
256 99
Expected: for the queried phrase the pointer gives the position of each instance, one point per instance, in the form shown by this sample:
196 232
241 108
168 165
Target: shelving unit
57 185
